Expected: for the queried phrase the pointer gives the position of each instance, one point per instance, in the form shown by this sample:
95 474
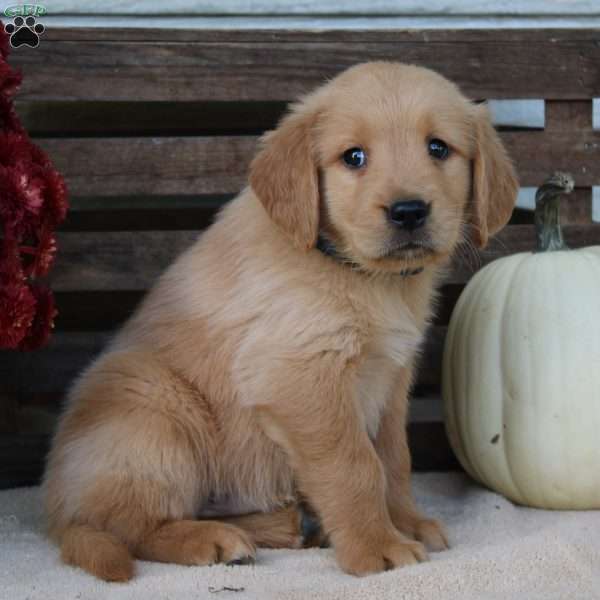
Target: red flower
17 310
10 80
38 259
41 326
9 120
15 149
55 196
20 198
33 201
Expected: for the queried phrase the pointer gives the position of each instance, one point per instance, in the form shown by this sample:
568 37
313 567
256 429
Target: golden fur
259 367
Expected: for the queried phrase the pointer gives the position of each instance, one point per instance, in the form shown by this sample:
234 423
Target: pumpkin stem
547 212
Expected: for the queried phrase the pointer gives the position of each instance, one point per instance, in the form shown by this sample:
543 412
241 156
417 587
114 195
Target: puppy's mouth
413 250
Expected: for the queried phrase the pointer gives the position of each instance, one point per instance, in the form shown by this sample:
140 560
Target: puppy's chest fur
393 341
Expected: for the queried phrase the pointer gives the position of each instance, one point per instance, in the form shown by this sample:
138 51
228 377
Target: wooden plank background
154 131
126 260
180 65
219 164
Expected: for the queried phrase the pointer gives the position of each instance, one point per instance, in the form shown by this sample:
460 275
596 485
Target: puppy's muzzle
408 214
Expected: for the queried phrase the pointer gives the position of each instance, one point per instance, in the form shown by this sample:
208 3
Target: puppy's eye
438 149
355 158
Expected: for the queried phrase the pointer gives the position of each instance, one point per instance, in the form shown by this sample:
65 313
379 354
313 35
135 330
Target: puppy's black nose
409 214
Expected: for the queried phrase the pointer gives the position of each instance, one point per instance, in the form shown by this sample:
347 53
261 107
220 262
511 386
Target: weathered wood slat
104 119
561 115
537 154
111 119
156 165
577 208
94 311
218 165
122 260
146 212
132 261
568 116
140 219
144 215
193 65
50 370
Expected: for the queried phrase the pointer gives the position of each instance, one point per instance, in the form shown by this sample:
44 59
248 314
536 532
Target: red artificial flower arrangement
33 201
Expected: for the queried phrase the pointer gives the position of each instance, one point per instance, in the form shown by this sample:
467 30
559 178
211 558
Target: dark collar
328 249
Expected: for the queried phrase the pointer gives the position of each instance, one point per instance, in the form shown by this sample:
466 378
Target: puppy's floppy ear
284 177
495 183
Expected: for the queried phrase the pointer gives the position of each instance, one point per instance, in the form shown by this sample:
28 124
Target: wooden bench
154 130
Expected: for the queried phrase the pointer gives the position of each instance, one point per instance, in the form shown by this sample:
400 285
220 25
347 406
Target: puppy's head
389 162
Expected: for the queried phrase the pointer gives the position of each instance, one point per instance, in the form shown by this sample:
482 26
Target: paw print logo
24 32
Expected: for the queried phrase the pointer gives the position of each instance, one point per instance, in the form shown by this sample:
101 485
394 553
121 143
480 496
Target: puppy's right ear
284 177
495 183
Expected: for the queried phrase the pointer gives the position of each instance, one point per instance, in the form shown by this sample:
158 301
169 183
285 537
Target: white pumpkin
521 370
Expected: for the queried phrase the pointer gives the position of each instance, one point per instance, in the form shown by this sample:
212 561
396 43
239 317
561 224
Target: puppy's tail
98 552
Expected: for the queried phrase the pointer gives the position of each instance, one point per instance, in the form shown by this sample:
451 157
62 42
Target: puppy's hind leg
281 528
292 526
132 461
188 542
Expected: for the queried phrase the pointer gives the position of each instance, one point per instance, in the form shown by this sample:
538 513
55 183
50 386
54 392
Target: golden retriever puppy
272 361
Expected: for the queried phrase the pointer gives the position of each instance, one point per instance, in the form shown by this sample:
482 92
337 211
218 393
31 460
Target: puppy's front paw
432 533
376 553
428 531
